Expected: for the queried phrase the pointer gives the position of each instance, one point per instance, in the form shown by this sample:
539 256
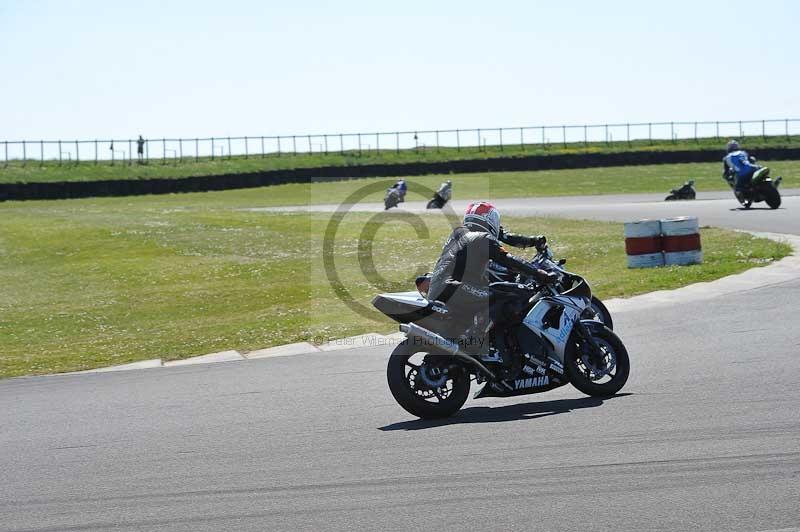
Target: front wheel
426 385
772 196
597 311
597 373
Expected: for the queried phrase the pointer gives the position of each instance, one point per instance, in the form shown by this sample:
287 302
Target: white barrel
643 244
681 241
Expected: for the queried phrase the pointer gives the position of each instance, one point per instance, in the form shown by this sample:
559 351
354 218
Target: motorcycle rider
459 277
445 190
402 188
742 167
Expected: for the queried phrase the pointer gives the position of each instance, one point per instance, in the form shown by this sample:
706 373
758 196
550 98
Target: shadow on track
486 414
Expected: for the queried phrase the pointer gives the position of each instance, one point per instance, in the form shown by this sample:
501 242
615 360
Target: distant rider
459 278
445 190
402 188
737 164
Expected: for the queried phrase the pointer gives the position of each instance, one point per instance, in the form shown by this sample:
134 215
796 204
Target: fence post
78 154
41 153
310 148
246 154
564 134
480 145
262 147
521 140
6 150
196 150
24 154
628 134
500 131
585 137
458 140
325 137
213 148
279 145
672 132
741 135
359 144
95 151
544 139
180 149
294 145
378 144
59 153
397 142
786 125
695 132
437 141
229 148
650 132
763 130
163 151
716 124
341 144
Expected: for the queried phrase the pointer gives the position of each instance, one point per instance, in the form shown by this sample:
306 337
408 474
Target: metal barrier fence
173 150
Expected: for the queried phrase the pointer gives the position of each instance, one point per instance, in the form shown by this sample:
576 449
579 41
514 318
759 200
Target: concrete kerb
786 269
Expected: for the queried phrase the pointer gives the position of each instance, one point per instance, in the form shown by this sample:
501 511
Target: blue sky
87 69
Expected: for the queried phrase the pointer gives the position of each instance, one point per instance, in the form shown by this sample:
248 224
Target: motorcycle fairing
540 320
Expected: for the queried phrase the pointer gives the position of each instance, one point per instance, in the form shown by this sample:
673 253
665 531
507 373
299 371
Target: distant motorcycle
761 188
441 196
686 192
392 198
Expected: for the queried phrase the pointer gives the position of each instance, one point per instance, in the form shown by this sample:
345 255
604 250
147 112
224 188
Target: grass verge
90 283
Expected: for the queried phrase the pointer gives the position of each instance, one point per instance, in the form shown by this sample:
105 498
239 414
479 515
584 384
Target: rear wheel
426 385
771 196
602 373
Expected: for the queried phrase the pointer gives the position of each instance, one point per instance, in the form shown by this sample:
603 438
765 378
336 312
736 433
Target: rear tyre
597 374
432 204
415 387
772 196
671 197
597 311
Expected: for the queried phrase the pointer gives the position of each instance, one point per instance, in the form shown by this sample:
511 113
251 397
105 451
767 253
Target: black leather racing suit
459 278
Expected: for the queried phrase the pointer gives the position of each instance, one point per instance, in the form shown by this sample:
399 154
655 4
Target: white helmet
732 145
483 216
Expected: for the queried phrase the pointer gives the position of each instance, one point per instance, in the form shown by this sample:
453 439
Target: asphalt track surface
705 436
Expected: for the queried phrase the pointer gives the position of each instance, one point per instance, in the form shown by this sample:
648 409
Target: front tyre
599 374
426 385
772 196
597 311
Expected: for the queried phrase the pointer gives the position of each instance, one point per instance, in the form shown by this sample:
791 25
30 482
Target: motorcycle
686 192
544 261
392 198
761 188
441 196
542 344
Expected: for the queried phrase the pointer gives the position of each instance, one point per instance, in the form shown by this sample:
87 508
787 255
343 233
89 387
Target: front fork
586 335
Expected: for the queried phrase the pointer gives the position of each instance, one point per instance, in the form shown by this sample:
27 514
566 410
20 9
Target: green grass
612 180
32 170
96 282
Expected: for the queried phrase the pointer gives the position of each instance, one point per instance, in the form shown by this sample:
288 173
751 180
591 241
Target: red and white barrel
643 244
681 241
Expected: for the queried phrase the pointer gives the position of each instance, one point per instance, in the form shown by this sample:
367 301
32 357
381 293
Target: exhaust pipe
440 343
